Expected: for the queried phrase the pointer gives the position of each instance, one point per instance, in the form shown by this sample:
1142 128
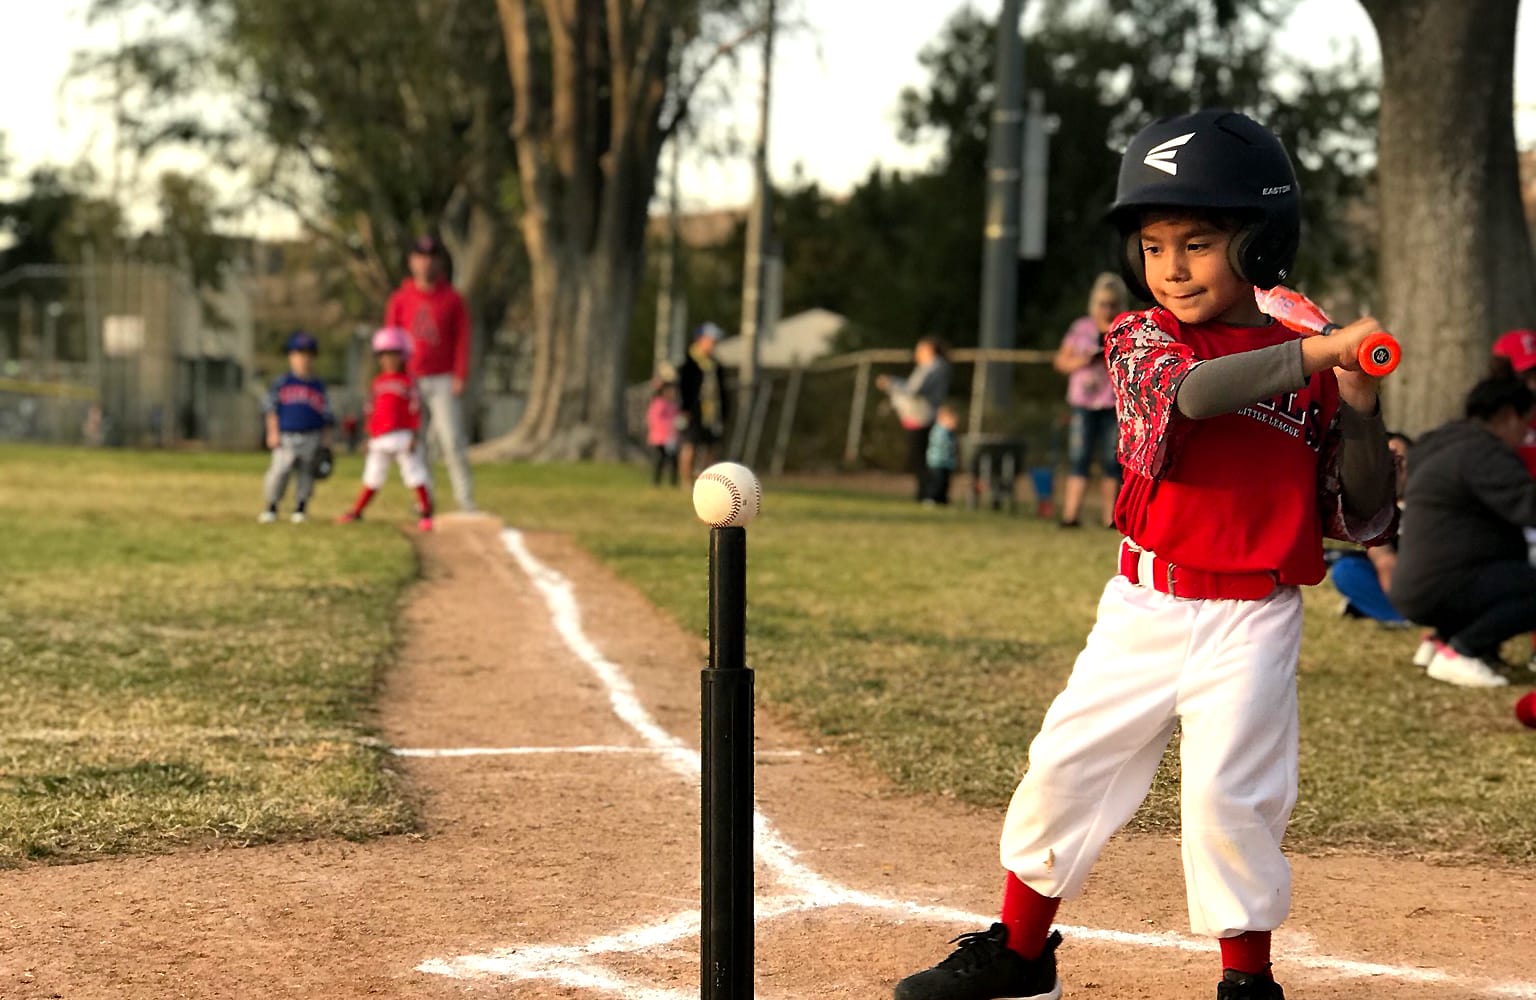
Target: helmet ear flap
1238 248
1263 253
1132 268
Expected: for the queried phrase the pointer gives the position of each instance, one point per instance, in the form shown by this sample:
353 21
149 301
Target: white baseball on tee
727 495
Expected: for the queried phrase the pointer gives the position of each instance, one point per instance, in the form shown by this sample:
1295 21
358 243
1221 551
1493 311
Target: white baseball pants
1226 672
393 447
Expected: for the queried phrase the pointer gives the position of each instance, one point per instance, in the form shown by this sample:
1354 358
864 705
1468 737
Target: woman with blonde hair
1093 430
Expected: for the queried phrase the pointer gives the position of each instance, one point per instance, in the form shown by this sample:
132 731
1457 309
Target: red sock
423 501
1247 952
1028 917
362 499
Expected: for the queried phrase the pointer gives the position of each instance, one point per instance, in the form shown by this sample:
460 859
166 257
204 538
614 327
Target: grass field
931 643
173 673
176 673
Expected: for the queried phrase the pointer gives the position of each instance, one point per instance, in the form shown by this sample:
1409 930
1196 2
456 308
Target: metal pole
786 420
856 414
999 277
666 286
978 385
758 230
726 925
762 398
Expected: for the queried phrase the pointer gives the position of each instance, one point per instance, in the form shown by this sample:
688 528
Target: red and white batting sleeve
1147 364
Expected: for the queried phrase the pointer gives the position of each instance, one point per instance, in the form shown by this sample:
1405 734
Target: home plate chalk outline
800 889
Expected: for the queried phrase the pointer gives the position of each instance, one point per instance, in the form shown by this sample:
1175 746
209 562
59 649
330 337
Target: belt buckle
1171 591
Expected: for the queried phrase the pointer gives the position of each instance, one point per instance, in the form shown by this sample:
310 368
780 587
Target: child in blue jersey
299 420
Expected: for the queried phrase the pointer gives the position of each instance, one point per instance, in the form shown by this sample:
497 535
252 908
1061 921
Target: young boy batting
1242 446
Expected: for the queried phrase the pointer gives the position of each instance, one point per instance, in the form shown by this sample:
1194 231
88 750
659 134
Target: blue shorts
1093 432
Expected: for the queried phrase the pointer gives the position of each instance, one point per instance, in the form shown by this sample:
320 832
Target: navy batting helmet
1215 160
301 341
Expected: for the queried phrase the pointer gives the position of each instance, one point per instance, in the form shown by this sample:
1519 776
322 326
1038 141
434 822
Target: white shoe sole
1425 653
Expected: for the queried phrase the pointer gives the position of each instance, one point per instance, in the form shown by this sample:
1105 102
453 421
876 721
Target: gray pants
295 453
444 423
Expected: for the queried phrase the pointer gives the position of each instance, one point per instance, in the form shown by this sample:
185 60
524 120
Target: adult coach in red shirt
427 306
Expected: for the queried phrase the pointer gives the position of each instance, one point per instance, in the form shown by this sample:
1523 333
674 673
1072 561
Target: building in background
127 353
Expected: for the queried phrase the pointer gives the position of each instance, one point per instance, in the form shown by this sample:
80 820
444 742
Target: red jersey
1250 491
396 405
439 327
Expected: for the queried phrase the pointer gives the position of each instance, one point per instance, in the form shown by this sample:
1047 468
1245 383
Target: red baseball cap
1519 346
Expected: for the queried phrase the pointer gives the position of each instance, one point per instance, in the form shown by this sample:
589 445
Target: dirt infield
565 863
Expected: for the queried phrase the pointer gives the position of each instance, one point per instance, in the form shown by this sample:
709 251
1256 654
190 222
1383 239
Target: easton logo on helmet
1161 156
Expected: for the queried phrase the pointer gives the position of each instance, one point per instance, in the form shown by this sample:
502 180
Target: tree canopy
901 253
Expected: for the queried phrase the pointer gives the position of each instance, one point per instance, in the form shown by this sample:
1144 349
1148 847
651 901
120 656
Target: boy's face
423 268
948 420
1187 271
390 361
300 362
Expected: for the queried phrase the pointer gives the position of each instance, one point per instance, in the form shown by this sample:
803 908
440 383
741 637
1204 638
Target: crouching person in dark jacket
1462 563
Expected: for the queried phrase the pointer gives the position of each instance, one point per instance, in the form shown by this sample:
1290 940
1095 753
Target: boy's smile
1188 272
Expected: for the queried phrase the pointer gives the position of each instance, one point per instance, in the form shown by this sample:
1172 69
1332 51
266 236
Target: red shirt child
394 418
396 404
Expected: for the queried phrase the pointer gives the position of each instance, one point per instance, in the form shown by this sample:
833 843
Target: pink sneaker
425 524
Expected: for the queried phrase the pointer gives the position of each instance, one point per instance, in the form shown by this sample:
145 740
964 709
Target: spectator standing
705 406
1093 431
433 313
916 400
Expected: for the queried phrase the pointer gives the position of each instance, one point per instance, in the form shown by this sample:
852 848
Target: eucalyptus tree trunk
1456 262
590 79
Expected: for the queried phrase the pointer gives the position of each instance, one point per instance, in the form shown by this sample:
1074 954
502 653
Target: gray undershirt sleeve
1366 476
1226 385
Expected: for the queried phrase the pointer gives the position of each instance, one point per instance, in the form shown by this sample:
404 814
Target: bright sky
835 88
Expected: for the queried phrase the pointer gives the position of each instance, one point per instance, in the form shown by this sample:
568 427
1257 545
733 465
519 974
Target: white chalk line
538 751
578 965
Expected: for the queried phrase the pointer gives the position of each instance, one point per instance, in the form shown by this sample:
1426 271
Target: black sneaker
1236 985
985 968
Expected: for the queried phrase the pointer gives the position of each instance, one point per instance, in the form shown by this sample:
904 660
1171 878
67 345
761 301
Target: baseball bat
1379 353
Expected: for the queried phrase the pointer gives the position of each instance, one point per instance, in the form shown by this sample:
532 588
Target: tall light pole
1000 276
666 286
759 232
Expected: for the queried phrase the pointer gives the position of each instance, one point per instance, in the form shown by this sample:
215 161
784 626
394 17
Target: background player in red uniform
393 422
1241 446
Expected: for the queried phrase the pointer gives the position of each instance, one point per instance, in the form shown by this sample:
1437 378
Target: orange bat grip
1380 354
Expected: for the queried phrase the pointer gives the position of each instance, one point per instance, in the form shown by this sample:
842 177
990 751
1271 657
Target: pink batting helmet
391 338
